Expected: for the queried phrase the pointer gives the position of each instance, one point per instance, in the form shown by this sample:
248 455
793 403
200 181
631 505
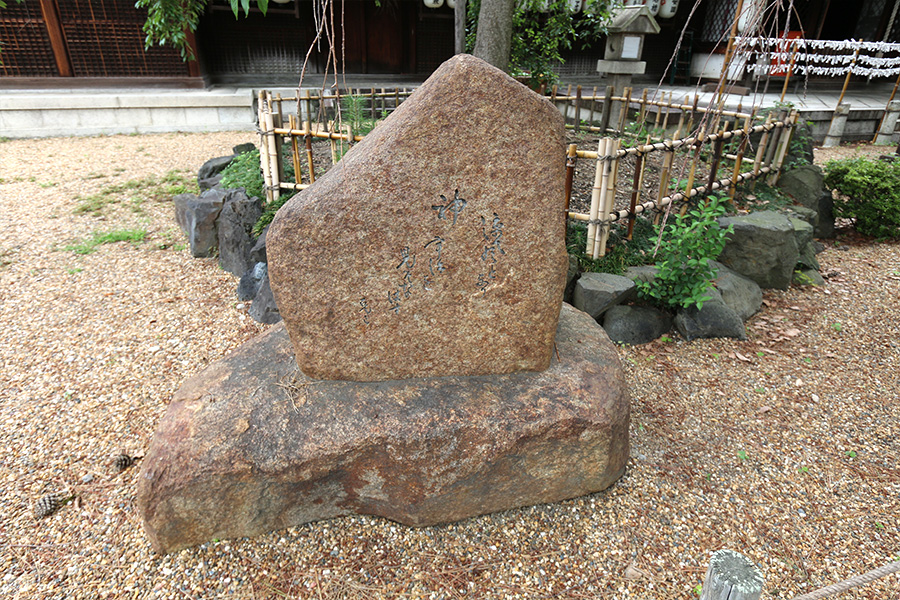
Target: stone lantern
624 44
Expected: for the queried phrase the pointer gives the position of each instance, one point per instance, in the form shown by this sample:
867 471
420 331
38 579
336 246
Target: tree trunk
459 23
494 35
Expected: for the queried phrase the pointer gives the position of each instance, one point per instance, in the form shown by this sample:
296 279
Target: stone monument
424 371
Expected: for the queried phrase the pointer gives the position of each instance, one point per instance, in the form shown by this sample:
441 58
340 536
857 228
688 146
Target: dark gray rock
646 273
251 281
213 166
595 293
808 277
763 247
244 148
264 309
715 320
239 214
258 251
572 276
801 212
740 293
804 185
197 218
803 231
825 227
630 324
807 258
250 445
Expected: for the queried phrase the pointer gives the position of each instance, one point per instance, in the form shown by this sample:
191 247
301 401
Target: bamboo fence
660 130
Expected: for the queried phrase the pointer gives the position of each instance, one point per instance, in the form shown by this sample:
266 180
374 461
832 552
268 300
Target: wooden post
593 99
578 108
732 576
571 158
57 38
623 118
273 191
847 78
740 158
635 190
295 151
609 197
607 108
790 70
782 149
264 163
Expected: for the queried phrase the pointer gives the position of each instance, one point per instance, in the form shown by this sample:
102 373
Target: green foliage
244 172
759 195
620 253
869 192
685 273
98 238
541 32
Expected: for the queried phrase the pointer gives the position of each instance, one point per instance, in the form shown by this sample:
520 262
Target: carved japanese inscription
411 258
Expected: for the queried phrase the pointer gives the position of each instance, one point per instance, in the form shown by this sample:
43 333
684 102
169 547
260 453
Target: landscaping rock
264 309
739 293
801 212
209 176
804 185
807 258
244 148
258 251
239 214
636 324
803 231
250 445
645 273
450 257
825 226
715 320
808 277
762 247
197 218
572 276
251 281
595 293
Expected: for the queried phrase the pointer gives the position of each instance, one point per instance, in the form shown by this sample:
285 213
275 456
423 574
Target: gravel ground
784 447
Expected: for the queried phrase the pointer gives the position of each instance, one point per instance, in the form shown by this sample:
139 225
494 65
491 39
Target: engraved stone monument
425 371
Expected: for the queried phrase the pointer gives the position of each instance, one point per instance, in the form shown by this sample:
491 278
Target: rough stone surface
803 231
627 324
807 258
239 214
243 148
264 309
762 247
197 217
739 293
250 445
251 281
825 227
804 185
258 251
646 273
572 276
213 166
430 251
808 277
801 212
595 293
715 320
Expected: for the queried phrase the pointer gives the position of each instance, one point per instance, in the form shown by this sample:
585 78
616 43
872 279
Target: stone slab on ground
429 250
250 445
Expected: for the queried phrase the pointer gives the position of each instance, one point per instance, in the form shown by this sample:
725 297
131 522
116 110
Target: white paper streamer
853 56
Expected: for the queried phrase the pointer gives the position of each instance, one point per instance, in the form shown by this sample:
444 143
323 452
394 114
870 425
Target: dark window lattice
25 49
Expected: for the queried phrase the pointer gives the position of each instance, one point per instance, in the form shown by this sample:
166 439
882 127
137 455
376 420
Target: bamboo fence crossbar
705 152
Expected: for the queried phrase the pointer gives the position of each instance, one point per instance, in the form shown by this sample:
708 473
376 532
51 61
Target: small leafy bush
684 271
870 193
620 253
244 172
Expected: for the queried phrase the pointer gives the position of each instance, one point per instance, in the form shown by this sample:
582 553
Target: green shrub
244 172
869 192
684 271
620 253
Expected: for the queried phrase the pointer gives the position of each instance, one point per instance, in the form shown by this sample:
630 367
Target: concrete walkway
57 112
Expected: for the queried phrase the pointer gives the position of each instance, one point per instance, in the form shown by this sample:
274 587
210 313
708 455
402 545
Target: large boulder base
198 219
430 250
251 445
762 247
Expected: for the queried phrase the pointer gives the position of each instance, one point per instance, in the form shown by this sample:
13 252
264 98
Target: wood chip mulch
785 447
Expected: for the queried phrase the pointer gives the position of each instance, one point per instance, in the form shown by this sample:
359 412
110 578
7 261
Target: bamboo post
295 152
396 98
690 126
691 174
578 108
740 158
264 143
596 193
308 103
635 191
274 191
593 99
782 150
643 110
566 103
729 48
667 165
278 120
884 115
372 103
609 198
623 118
716 157
776 138
732 576
665 121
309 158
571 158
761 150
607 108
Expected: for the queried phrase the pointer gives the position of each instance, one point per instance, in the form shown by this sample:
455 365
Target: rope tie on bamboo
847 584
